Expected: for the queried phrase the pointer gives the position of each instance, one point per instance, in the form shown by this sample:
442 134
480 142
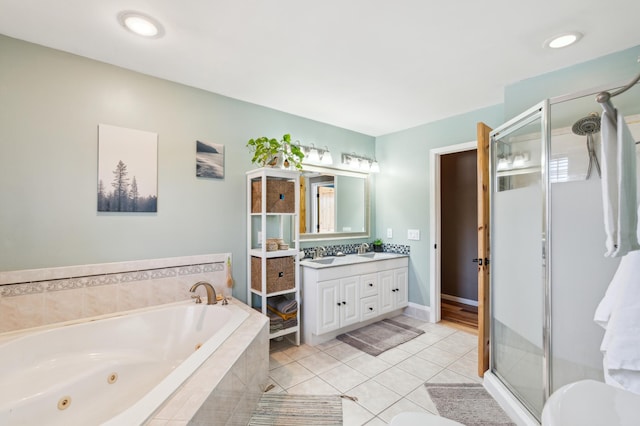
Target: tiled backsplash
353 248
40 297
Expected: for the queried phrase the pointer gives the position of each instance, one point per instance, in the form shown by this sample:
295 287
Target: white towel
618 155
619 314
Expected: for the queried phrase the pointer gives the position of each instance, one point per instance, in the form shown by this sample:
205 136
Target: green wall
403 186
50 106
616 68
51 103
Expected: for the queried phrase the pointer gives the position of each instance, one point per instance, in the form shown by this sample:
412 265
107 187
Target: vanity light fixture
327 159
313 155
140 24
563 40
357 162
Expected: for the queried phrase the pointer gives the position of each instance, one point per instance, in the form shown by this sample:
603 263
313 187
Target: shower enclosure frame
539 111
496 384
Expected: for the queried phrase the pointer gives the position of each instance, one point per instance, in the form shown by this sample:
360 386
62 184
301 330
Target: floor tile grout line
403 396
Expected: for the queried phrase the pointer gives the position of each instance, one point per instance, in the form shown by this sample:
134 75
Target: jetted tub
115 371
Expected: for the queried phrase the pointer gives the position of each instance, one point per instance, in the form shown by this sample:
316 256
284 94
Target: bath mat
467 403
380 336
293 410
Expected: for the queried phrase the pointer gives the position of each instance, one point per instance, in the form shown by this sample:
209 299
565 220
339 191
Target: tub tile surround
226 388
39 297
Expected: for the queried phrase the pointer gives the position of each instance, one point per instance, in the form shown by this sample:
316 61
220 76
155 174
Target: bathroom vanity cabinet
273 242
351 292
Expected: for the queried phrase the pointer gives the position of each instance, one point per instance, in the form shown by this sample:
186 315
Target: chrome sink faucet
363 248
211 292
320 252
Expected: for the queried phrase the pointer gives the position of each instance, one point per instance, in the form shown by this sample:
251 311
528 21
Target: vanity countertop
350 259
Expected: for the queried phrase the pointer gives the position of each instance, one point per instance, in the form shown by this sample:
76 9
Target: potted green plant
377 245
271 152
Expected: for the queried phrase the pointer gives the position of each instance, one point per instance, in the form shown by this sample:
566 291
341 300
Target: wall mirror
333 204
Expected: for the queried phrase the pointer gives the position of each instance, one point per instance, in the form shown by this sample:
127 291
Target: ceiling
372 66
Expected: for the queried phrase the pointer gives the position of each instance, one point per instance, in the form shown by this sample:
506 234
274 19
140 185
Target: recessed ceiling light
563 40
141 24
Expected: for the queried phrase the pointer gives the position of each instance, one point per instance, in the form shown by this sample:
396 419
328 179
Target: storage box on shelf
273 246
280 196
280 274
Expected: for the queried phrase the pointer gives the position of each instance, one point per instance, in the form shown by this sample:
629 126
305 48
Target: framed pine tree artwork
127 170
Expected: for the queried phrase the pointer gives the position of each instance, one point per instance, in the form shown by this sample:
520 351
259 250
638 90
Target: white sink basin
323 260
377 256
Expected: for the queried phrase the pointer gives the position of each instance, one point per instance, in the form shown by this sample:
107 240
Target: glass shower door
518 247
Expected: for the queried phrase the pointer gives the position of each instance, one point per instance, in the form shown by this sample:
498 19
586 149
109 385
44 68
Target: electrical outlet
413 234
389 233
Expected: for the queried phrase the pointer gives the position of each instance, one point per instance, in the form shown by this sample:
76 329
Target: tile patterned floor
384 385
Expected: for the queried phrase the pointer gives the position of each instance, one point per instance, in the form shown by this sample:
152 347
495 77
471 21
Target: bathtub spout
211 292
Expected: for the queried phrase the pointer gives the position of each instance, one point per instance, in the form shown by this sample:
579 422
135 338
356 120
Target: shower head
587 125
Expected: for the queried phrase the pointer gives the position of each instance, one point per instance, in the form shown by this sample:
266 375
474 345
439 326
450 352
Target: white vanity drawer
368 308
368 285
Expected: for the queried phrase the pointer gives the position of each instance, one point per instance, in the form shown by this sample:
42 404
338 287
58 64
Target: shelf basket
280 273
280 196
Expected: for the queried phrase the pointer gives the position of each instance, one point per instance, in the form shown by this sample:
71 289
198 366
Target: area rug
467 403
292 410
380 336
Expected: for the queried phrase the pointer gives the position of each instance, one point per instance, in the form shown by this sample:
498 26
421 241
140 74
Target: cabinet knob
370 284
338 303
370 308
344 303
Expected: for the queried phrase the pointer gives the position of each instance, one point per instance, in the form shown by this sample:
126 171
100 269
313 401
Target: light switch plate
389 233
413 234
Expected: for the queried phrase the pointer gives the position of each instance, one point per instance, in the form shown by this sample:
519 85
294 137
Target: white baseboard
417 311
514 409
459 299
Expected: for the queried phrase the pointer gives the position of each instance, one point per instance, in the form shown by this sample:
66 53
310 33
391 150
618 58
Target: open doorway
462 256
459 238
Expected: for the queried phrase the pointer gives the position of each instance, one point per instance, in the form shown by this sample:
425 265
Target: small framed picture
209 160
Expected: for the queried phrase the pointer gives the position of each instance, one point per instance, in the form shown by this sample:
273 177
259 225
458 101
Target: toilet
410 418
591 403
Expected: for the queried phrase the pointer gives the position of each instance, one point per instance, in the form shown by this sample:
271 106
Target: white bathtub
114 371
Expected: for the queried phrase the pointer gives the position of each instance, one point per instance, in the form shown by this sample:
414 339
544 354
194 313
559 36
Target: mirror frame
367 207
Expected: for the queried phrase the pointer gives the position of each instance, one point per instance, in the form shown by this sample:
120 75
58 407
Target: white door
350 309
401 286
328 306
386 285
326 209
